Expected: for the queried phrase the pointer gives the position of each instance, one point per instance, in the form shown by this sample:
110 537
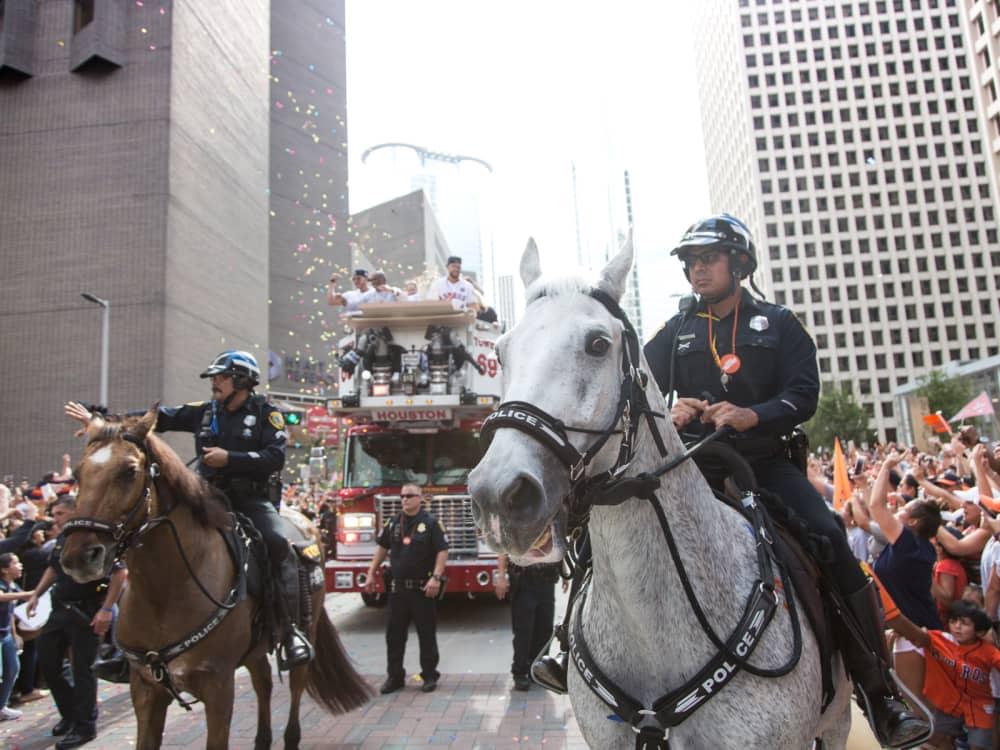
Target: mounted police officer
240 440
532 611
740 362
417 547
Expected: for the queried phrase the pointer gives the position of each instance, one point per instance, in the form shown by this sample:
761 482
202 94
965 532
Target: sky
535 88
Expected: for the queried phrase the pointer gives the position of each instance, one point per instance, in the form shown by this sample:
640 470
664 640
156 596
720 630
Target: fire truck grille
454 511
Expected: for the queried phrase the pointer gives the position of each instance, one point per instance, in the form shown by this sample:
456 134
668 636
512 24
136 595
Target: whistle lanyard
711 337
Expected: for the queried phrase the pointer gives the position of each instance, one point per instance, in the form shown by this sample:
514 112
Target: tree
944 394
837 415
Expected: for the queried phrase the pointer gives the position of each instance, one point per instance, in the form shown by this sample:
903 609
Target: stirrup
912 739
550 672
295 650
113 669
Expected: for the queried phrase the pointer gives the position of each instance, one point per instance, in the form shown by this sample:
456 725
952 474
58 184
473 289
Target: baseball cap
360 272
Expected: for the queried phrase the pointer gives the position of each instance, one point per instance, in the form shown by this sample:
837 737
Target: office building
848 135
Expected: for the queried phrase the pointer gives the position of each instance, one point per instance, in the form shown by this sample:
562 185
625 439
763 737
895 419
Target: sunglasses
707 258
411 494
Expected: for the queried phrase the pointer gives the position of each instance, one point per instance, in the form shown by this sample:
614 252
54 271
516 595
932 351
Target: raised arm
879 505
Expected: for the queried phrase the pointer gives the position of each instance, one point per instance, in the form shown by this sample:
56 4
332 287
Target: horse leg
150 705
260 675
218 698
297 679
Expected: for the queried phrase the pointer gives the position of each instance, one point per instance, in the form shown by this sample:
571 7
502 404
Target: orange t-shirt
957 678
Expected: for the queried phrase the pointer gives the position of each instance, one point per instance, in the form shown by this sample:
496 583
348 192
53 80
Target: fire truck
416 381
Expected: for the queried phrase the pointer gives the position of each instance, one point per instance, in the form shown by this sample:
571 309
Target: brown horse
138 499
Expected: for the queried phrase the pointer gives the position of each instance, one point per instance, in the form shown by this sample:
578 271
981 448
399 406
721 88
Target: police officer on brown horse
240 440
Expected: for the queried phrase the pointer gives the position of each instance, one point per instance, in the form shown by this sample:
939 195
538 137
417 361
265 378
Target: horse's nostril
523 499
95 553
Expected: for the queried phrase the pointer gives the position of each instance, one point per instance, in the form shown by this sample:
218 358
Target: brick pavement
467 711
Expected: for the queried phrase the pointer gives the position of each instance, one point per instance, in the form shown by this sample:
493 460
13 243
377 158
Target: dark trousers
76 702
266 520
783 478
532 613
405 606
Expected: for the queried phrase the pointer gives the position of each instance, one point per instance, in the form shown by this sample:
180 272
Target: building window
2 3
83 14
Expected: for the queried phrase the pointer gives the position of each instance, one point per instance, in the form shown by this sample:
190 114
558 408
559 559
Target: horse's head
565 360
114 482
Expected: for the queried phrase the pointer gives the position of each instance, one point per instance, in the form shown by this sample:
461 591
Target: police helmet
725 232
241 365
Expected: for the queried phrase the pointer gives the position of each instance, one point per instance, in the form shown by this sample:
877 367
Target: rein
651 724
125 538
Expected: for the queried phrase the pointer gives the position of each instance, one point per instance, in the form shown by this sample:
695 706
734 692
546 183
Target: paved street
473 707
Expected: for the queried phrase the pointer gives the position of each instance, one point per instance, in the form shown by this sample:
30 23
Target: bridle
632 408
126 531
651 723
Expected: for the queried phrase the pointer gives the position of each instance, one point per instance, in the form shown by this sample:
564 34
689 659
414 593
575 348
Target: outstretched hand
80 413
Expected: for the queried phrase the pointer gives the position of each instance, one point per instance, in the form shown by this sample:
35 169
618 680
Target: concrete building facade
847 134
116 179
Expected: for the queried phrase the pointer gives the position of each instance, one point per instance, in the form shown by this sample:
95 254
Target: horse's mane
187 488
178 484
550 285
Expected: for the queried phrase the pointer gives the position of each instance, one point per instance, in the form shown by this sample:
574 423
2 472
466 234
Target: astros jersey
957 680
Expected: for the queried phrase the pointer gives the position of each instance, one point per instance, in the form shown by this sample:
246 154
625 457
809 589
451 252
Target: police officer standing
81 615
240 440
417 547
749 365
532 611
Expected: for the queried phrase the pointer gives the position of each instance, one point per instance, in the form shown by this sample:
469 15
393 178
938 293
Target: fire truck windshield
393 458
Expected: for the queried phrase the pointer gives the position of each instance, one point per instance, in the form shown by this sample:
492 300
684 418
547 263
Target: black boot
113 669
550 672
875 689
295 648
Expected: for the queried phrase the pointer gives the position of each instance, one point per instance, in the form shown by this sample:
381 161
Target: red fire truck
417 379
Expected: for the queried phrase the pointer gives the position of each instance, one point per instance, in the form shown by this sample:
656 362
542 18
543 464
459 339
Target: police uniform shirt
65 589
413 543
254 435
778 376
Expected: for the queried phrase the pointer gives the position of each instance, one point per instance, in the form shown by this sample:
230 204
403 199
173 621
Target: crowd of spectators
28 529
925 524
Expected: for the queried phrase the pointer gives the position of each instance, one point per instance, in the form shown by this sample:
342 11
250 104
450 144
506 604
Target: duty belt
410 584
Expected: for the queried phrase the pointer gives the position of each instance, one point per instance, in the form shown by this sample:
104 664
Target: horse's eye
128 473
598 346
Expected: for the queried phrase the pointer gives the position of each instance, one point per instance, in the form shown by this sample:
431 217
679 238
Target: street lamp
105 335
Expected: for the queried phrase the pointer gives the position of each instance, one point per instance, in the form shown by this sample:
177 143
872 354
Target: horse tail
332 680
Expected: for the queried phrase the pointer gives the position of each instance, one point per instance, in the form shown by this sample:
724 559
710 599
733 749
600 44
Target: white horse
565 358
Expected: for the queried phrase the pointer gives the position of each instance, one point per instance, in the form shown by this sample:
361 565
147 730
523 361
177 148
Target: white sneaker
8 714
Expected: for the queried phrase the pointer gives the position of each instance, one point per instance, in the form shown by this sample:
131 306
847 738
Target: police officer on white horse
737 361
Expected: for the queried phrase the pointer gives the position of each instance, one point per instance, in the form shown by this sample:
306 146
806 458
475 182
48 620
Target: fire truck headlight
358 521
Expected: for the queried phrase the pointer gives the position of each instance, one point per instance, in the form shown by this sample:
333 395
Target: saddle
248 551
805 556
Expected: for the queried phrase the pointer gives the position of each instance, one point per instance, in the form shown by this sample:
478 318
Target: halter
124 537
120 532
651 724
632 407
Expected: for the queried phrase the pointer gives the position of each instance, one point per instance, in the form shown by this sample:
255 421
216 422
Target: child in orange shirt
957 679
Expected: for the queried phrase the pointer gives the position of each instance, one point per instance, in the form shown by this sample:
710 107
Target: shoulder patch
277 421
195 403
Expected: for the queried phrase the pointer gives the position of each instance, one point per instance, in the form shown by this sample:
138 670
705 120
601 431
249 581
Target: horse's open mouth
543 546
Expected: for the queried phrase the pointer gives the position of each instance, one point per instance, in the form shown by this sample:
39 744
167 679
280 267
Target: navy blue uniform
532 612
778 379
254 435
68 628
413 543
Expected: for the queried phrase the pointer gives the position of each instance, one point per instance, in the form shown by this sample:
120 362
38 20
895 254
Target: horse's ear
147 422
615 275
531 269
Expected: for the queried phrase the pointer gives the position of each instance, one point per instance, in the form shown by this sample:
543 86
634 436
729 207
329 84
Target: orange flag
936 422
841 482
